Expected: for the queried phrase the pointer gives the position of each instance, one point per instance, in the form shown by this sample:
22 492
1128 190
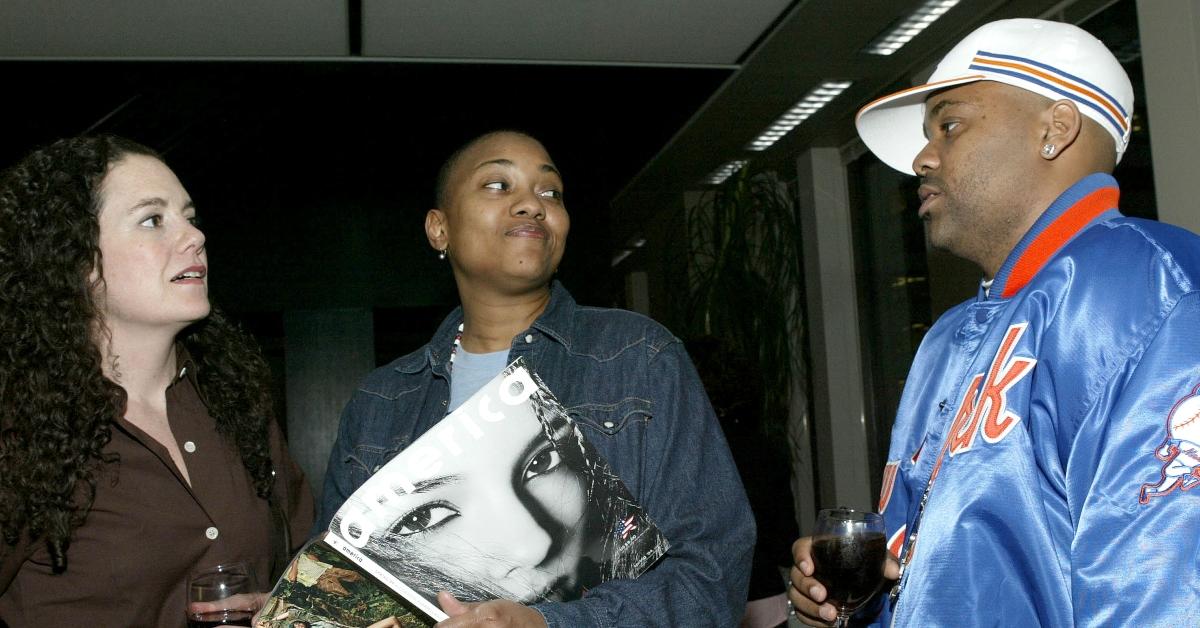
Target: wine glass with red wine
848 551
216 596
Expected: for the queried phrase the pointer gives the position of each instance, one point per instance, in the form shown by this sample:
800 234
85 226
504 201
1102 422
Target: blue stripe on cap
1055 88
1116 103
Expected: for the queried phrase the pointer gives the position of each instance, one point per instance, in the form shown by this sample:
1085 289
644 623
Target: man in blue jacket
1044 450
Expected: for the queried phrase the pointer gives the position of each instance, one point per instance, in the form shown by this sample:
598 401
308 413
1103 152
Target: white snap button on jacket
189 447
528 338
609 424
211 533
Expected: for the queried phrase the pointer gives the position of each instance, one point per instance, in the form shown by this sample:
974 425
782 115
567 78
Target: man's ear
1063 123
435 229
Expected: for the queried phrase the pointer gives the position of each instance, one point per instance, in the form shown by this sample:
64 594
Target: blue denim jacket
631 387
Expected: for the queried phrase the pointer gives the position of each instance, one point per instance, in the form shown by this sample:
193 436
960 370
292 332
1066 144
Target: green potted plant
745 324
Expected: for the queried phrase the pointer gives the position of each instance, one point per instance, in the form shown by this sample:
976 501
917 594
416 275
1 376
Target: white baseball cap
1053 59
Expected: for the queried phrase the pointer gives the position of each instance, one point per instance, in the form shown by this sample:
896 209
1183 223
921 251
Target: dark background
312 178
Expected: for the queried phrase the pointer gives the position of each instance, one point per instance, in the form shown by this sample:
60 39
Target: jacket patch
1179 451
889 481
984 408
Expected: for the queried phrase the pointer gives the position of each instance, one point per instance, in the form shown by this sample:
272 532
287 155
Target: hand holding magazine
503 498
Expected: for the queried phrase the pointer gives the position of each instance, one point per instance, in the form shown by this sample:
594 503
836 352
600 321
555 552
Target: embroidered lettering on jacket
984 407
889 482
1179 451
896 541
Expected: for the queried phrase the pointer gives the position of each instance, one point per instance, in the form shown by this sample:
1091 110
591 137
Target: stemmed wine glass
848 551
216 596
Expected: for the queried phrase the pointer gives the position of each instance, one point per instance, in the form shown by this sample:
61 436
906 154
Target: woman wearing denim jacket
624 379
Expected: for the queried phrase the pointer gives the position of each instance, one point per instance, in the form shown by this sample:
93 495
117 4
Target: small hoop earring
444 253
1048 150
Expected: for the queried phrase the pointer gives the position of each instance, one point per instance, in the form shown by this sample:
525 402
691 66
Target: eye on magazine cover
504 498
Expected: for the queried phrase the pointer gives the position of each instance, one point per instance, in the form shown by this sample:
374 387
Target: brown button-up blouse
128 563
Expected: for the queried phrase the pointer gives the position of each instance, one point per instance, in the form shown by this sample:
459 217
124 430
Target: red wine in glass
217 595
848 551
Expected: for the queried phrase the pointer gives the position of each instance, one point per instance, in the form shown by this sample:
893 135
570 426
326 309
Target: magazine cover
321 589
503 498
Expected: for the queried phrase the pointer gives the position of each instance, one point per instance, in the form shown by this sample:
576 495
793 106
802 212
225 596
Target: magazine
503 498
322 589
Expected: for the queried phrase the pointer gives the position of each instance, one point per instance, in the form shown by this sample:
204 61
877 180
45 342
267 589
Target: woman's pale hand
250 602
490 614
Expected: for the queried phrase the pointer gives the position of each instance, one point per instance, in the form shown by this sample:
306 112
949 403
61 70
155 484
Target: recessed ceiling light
812 102
910 27
726 170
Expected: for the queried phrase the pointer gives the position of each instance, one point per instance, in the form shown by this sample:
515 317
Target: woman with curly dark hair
136 434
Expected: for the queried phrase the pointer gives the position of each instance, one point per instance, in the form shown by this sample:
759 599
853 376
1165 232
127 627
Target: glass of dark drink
848 551
221 596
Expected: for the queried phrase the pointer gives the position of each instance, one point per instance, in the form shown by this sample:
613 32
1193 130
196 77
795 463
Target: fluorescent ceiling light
909 27
620 256
635 242
812 102
726 170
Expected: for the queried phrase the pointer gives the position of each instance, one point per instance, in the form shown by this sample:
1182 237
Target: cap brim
893 127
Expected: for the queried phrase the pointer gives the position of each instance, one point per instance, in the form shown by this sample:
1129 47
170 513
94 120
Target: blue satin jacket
633 390
1059 417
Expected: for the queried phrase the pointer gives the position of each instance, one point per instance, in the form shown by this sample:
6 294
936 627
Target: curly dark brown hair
56 406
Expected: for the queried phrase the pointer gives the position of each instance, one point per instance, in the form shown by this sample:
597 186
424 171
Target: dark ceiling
313 178
313 173
309 132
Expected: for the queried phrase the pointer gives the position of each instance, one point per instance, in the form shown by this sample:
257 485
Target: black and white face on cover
505 514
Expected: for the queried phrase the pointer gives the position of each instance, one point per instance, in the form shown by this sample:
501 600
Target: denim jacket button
528 339
609 424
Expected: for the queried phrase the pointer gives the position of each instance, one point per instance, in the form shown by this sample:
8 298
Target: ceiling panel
172 28
818 40
618 31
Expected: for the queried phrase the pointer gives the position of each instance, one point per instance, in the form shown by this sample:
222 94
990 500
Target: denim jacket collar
555 322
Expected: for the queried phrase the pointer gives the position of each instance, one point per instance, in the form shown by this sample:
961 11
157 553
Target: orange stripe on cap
1056 234
919 88
1067 84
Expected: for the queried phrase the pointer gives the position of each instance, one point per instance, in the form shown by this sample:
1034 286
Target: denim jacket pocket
617 431
610 419
368 458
